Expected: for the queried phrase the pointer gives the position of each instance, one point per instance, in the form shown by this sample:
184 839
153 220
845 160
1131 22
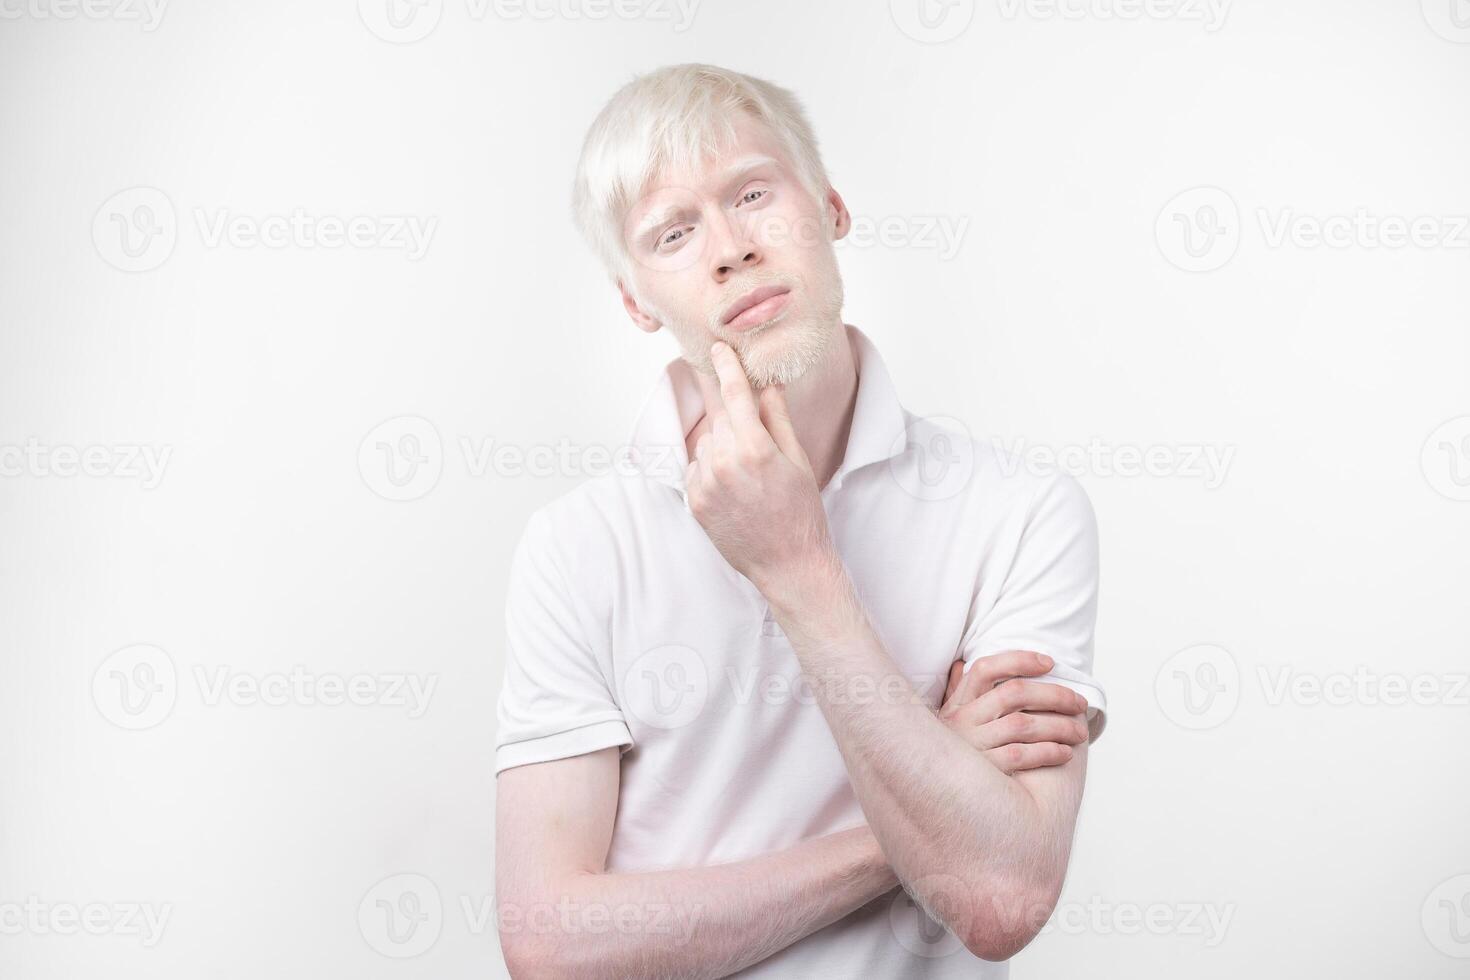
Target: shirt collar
675 404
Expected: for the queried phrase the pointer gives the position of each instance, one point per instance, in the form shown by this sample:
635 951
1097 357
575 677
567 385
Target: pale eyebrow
735 173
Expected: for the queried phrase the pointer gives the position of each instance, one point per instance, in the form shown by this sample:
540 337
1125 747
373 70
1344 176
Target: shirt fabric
626 627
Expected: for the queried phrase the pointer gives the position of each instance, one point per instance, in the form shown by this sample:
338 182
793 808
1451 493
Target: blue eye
745 198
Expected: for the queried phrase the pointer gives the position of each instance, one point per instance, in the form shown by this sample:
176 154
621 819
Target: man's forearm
696 922
947 819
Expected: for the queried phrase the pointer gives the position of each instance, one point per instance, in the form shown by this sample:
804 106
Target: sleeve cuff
562 745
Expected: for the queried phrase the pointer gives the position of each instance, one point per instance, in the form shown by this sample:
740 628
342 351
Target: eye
673 236
752 195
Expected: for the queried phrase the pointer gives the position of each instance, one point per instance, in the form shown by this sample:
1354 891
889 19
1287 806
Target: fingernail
1045 661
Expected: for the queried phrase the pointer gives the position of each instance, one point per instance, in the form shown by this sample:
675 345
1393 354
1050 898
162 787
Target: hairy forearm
696 922
979 848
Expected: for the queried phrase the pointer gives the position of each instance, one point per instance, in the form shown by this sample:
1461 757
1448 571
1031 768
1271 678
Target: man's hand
1018 724
751 486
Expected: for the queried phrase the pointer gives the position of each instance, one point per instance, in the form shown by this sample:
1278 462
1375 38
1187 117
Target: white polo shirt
627 627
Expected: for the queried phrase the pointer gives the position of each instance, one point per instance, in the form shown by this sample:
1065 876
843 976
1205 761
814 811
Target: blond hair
675 119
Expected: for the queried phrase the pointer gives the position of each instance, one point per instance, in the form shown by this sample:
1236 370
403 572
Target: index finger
735 390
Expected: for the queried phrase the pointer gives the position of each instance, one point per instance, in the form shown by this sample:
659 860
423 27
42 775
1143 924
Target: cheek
791 234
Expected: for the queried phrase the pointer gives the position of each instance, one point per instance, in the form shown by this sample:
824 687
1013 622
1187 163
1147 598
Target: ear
641 319
837 214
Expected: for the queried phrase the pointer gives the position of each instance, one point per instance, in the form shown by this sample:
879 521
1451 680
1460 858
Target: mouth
756 306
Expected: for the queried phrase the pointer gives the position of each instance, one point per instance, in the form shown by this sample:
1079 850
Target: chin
784 350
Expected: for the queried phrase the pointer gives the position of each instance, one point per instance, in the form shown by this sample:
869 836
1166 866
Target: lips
752 299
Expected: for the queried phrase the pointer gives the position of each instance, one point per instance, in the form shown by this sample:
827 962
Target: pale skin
971 808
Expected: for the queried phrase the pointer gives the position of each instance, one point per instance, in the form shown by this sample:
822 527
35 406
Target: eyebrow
735 173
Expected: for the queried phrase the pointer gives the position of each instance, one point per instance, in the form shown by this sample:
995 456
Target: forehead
754 146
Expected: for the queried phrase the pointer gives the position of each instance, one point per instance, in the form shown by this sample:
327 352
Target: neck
821 403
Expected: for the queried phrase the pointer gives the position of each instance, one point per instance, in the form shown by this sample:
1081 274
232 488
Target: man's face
743 230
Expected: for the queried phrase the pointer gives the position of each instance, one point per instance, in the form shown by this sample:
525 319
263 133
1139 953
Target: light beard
779 351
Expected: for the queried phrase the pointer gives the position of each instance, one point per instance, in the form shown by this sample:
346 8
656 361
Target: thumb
777 419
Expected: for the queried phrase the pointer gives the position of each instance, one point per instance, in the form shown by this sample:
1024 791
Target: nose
732 248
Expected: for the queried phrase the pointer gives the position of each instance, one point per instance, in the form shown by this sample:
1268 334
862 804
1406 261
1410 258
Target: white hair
676 118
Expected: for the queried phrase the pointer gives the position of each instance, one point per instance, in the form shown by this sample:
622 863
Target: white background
1330 834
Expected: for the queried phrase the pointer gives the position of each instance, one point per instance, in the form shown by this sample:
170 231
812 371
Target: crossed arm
561 914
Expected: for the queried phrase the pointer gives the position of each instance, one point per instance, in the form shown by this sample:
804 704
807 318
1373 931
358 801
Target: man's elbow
527 957
1005 920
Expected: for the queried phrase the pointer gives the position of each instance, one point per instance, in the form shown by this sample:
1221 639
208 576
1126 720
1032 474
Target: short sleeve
555 700
1047 598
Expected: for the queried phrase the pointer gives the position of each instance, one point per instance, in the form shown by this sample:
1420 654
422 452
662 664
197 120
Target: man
726 738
